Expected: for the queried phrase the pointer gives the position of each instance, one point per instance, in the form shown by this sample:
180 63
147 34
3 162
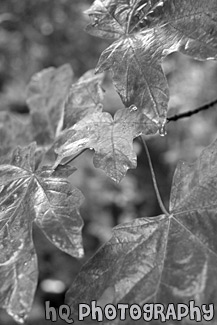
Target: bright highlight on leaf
144 33
168 258
162 259
26 195
112 139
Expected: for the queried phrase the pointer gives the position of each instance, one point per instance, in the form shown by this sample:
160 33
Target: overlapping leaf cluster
66 116
169 258
32 191
144 32
161 259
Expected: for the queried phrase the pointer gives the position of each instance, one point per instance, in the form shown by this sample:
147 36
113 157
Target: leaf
28 195
18 262
111 19
58 212
83 98
162 259
145 32
46 94
112 139
13 132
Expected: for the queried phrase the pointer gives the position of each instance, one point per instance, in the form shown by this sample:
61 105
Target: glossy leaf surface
163 259
13 132
82 99
46 95
112 139
28 195
144 33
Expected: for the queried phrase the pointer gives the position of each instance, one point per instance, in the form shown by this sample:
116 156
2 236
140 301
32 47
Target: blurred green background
38 34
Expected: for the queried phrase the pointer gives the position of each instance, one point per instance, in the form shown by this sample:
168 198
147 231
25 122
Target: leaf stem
160 202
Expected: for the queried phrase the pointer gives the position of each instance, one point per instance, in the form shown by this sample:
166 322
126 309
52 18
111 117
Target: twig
190 113
164 210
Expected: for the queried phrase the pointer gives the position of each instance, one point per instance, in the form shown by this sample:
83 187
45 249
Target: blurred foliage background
38 34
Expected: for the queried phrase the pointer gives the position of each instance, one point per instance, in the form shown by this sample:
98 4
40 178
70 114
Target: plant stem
160 202
190 113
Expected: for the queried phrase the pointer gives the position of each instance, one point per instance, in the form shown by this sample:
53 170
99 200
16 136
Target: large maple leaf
26 195
164 259
111 138
144 33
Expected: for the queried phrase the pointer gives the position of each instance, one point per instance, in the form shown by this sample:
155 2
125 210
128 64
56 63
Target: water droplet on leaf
99 107
80 252
133 108
162 131
17 158
162 128
95 21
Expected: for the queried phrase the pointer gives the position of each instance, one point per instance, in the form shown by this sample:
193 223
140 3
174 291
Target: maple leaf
46 94
144 33
111 138
26 195
82 99
162 259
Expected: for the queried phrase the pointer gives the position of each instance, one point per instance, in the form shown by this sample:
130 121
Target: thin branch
190 113
164 210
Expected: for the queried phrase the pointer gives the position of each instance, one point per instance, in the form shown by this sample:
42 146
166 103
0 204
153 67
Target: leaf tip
80 252
19 318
